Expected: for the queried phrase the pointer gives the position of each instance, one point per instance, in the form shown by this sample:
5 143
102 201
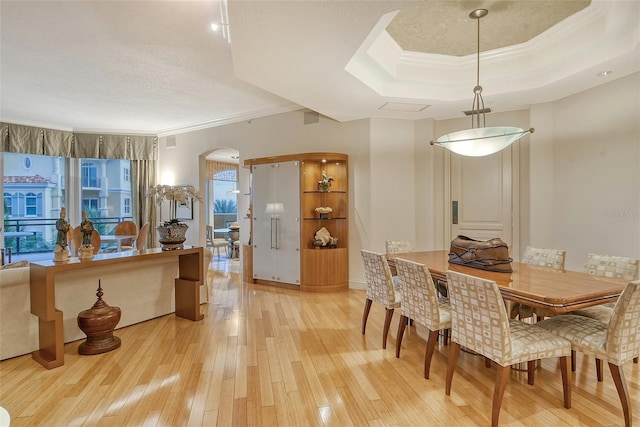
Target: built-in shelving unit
322 269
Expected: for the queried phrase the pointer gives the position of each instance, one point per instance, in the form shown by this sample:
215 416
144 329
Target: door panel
481 186
276 236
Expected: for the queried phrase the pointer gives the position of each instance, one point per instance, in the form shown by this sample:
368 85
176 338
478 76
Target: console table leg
51 341
188 299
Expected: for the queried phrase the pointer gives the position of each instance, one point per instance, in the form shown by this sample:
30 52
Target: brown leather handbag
491 255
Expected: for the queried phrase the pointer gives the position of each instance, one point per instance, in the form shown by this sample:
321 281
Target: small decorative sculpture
325 182
86 226
85 251
323 235
61 252
324 211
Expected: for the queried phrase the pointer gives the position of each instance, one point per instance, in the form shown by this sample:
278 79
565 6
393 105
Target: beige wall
585 172
579 181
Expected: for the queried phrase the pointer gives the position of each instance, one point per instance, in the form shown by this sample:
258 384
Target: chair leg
387 323
431 346
621 385
401 326
446 336
566 381
453 361
531 369
498 392
599 369
365 315
573 360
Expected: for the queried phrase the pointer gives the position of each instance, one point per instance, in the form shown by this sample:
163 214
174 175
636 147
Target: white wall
590 145
581 172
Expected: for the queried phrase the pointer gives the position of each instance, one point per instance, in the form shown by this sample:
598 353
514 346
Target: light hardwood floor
265 356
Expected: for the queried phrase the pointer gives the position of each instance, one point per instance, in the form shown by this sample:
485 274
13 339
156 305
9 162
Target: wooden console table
50 320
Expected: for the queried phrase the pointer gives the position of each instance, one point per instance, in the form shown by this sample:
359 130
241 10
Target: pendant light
480 140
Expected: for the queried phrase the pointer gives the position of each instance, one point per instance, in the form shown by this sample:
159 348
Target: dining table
559 291
117 238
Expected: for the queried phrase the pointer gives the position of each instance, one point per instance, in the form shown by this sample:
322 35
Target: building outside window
33 197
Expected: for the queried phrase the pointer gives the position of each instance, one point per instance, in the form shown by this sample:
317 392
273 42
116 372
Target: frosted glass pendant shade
482 141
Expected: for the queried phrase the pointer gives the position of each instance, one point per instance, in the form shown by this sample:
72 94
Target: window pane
33 194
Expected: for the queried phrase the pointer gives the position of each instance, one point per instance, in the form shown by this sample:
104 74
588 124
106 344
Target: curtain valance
50 142
229 170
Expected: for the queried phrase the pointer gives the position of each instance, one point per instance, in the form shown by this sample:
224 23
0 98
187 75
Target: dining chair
214 243
380 289
480 323
541 257
616 341
397 247
606 266
141 240
124 228
420 303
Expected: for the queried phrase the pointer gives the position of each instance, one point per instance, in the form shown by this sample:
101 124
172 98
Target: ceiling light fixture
480 140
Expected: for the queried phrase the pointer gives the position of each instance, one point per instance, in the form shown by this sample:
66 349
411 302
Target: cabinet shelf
324 192
324 219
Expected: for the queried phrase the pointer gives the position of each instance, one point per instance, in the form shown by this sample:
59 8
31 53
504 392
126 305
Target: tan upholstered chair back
125 228
623 333
544 257
479 319
419 294
380 287
611 266
141 241
398 246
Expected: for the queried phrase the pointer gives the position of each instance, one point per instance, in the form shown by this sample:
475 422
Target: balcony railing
36 243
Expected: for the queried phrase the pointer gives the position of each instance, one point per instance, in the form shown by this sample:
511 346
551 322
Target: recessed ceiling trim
256 114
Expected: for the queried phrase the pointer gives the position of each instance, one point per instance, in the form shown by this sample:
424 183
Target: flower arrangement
325 182
175 194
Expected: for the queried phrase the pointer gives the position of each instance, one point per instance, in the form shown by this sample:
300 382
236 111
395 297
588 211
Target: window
90 204
7 204
89 175
33 204
32 199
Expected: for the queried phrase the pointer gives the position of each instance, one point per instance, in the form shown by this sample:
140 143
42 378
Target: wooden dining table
559 291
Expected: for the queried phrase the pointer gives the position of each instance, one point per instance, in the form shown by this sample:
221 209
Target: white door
480 202
276 222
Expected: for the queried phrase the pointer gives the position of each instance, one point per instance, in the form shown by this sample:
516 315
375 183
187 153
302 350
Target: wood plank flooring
265 356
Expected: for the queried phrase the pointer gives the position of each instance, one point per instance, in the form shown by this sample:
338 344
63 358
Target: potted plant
171 234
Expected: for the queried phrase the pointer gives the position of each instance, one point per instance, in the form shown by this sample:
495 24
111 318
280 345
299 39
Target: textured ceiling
444 27
156 67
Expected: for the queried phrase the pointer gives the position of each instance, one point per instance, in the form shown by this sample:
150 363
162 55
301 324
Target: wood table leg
51 342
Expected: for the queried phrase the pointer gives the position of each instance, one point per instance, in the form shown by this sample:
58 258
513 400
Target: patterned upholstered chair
606 266
480 323
420 303
380 289
398 246
616 341
541 257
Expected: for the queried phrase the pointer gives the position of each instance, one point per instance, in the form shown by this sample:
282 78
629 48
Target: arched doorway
222 191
